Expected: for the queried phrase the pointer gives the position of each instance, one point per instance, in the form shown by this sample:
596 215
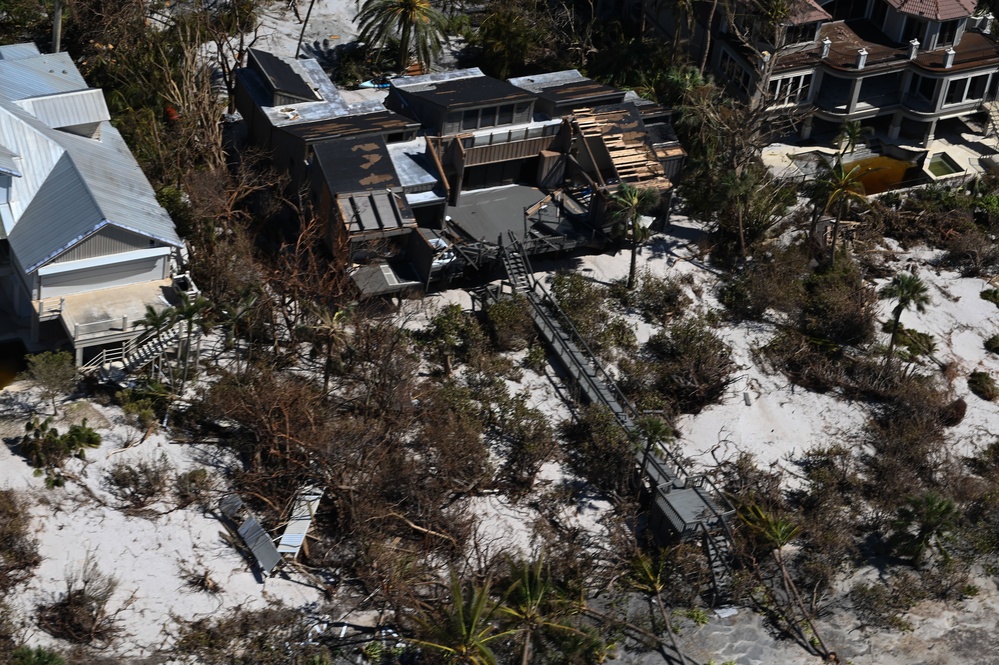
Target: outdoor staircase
687 505
135 354
991 108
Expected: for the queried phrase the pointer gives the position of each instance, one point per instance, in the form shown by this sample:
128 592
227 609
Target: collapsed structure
426 179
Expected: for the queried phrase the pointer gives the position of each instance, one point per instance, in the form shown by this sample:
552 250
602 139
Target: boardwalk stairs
135 354
684 506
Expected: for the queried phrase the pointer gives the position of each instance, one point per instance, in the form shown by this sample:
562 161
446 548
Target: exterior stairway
683 506
114 364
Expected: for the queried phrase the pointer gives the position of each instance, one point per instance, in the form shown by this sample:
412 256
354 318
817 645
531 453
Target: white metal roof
16 51
67 109
71 186
39 75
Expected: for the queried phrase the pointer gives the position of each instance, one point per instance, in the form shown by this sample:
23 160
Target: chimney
861 58
949 58
826 47
913 49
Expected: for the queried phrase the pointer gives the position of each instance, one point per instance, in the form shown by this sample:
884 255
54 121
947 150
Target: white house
84 245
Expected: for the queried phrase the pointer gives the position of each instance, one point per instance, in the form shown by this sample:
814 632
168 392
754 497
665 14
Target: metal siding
102 277
107 241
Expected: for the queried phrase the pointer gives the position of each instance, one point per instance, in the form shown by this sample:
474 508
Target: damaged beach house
426 180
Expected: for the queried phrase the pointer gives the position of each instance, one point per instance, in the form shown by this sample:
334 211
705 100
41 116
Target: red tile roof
936 10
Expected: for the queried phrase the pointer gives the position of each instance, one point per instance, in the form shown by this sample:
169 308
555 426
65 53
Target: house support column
806 129
854 94
895 129
929 132
79 356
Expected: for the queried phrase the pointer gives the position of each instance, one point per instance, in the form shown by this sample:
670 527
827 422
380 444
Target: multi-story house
901 66
84 245
436 170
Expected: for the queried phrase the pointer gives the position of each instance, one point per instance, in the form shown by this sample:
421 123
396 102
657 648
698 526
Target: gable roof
69 186
936 10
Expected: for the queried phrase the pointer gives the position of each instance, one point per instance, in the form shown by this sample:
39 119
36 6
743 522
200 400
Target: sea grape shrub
510 322
992 344
658 298
771 285
838 306
18 550
585 303
983 385
685 366
599 450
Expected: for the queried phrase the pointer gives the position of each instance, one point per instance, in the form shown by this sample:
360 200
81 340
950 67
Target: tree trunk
634 260
404 48
707 38
894 334
835 235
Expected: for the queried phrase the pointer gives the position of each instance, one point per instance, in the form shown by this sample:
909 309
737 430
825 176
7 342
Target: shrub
992 295
992 344
687 363
510 323
657 298
952 414
36 656
599 450
81 614
838 306
18 551
47 450
983 385
882 605
773 283
453 335
137 485
192 486
53 373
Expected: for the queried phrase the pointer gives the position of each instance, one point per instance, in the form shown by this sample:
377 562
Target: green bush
838 306
659 298
510 323
36 656
992 344
599 450
983 385
139 484
18 551
192 486
992 295
47 450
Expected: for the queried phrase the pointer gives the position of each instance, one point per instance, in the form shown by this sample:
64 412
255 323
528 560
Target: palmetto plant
418 26
909 291
536 611
925 521
839 187
851 134
627 205
464 630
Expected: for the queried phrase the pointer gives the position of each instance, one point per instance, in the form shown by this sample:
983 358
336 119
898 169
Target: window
798 34
923 86
960 91
948 30
879 13
735 72
790 90
488 118
914 29
505 115
470 119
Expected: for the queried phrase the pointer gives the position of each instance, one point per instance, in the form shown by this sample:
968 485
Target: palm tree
628 204
417 24
655 430
840 187
191 311
776 532
534 609
157 321
909 291
464 629
924 521
648 575
851 134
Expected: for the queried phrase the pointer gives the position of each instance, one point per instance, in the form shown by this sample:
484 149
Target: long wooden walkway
689 506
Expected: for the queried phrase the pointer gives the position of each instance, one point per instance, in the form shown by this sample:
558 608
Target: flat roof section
487 214
468 92
356 164
381 122
568 86
282 77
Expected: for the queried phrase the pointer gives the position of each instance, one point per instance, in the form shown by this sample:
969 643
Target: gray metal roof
41 75
16 51
69 108
71 186
7 164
